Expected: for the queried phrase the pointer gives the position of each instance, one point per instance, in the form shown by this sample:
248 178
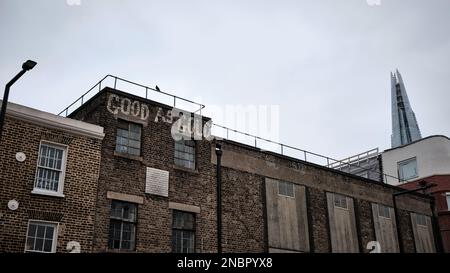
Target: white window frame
58 193
55 236
404 162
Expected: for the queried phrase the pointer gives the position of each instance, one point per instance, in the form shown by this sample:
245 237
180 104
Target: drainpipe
219 196
436 229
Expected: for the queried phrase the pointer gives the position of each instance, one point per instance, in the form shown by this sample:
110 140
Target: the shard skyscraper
404 124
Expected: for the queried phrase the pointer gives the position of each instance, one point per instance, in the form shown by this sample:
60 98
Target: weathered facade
341 214
49 167
147 190
270 202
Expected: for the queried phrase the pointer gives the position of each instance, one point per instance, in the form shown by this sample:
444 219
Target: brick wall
74 212
244 172
127 176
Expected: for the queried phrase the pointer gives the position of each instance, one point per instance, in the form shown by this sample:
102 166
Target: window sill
111 250
179 168
47 193
44 252
443 212
128 156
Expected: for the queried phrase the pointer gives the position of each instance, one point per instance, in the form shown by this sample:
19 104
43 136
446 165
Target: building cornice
53 121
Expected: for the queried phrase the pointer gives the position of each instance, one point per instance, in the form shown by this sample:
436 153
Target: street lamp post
28 65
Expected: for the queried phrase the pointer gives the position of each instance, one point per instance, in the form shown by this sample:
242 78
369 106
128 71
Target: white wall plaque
20 157
13 204
157 182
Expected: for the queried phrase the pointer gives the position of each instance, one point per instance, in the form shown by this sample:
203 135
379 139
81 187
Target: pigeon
157 88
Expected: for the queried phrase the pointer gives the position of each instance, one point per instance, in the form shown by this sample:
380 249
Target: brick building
48 179
131 184
156 194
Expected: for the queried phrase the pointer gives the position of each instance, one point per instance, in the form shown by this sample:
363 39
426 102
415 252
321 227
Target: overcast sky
326 64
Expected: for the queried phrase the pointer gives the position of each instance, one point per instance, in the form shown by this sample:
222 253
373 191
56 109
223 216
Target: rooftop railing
356 159
219 130
135 89
291 151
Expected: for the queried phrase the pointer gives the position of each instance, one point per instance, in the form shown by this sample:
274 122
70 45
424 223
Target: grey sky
325 63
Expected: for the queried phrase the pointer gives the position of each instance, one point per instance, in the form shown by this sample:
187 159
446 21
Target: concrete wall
249 162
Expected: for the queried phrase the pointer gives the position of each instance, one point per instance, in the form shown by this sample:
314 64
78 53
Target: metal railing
256 141
114 81
287 150
356 159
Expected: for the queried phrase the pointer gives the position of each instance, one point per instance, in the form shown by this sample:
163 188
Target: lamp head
28 65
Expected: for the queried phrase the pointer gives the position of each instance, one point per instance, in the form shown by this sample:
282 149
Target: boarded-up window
342 223
385 228
287 219
423 233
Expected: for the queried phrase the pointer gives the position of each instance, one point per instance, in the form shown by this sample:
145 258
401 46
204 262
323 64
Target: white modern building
424 159
418 160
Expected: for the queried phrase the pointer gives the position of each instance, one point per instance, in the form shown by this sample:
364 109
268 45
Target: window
122 227
407 169
421 220
384 211
41 237
183 232
50 168
285 188
185 153
128 140
340 201
448 201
